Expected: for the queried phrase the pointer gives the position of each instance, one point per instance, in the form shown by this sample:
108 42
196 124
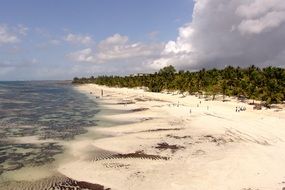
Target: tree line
266 85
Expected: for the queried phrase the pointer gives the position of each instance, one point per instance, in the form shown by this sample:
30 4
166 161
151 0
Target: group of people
190 111
240 108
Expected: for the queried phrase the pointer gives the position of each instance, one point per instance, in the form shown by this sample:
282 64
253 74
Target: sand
153 141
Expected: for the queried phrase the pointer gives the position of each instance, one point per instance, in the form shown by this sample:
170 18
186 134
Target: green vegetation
267 84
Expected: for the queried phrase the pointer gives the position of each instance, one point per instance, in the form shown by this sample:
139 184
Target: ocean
36 118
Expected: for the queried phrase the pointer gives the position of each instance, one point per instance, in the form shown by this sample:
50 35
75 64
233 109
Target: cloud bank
221 33
119 52
229 32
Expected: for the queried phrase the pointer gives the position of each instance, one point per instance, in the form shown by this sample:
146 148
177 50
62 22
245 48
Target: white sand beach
171 142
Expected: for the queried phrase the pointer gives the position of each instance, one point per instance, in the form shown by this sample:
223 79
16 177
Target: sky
61 39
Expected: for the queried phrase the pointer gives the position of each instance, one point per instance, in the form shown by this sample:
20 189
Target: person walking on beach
102 93
190 111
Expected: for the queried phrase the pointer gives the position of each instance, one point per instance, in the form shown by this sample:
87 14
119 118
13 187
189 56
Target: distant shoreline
265 85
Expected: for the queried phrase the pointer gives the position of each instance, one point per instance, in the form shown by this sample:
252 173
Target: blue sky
100 18
61 39
43 46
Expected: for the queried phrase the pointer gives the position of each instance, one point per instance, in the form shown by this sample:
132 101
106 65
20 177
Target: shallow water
35 118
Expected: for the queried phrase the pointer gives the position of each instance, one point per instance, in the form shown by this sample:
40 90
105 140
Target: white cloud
179 45
84 55
270 20
261 15
229 32
11 35
257 8
117 48
7 36
78 39
22 30
116 39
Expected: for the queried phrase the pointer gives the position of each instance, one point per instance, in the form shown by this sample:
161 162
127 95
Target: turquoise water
50 112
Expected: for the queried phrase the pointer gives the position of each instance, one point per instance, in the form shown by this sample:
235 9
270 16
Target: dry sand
152 141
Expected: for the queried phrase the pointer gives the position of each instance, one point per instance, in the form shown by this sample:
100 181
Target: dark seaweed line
136 155
57 182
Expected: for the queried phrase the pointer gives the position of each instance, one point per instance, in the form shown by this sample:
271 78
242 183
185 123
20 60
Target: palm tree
267 84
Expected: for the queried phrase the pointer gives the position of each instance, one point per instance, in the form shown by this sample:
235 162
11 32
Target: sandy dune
165 141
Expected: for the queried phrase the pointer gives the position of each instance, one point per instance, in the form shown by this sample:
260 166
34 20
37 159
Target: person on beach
102 93
190 111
